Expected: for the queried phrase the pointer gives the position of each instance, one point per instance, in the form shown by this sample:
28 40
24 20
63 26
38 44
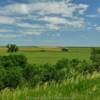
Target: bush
13 77
13 60
62 63
95 58
42 50
65 69
11 72
74 63
47 73
2 77
86 68
32 74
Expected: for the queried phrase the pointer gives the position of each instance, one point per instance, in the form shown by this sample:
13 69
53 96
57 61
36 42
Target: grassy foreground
81 88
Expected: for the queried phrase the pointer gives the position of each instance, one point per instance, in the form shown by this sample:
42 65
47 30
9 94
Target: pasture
46 54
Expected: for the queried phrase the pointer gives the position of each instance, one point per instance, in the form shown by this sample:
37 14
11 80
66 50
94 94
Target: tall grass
79 88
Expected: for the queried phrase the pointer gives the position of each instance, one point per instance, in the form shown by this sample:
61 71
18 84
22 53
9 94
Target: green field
51 54
80 87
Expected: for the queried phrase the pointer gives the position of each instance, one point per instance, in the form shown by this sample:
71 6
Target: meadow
74 81
51 54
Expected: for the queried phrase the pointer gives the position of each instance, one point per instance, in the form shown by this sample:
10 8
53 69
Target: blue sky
50 22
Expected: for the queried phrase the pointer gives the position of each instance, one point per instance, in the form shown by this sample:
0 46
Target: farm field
50 55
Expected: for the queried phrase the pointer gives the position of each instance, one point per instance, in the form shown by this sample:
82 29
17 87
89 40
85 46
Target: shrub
13 60
13 77
86 67
42 50
21 60
95 57
32 74
62 63
63 69
2 77
74 63
47 73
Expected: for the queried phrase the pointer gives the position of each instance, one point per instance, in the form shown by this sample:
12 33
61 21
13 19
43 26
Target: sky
50 22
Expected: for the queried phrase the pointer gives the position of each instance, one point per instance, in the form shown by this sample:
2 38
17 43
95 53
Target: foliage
32 74
13 60
13 77
95 57
12 48
2 77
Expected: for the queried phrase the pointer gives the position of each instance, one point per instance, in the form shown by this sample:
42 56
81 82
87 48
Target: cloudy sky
50 22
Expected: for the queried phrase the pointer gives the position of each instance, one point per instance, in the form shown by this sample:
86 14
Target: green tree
12 48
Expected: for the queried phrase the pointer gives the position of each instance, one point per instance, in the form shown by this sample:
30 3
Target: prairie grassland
50 55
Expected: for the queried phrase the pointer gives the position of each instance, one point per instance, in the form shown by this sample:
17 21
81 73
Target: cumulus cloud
6 20
54 15
63 8
79 22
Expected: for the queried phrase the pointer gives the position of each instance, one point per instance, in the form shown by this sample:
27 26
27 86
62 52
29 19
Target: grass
80 88
51 54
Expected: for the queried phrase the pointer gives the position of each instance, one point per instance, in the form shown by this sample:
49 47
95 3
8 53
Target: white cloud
80 23
6 20
98 10
8 36
63 8
32 33
16 9
82 8
54 20
5 30
52 27
30 29
63 14
29 26
76 23
98 28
